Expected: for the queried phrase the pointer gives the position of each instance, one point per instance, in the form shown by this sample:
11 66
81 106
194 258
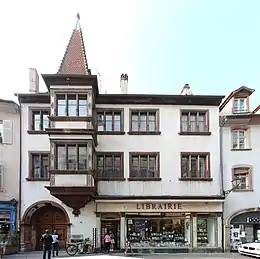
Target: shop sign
158 206
252 220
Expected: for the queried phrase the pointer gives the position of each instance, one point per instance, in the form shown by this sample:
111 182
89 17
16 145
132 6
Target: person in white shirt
55 244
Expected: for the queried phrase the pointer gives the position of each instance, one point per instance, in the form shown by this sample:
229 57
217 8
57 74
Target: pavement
38 255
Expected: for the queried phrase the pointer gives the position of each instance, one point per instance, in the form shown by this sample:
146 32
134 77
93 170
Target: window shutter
1 177
8 132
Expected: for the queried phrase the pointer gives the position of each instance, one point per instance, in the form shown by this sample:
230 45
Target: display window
207 232
159 232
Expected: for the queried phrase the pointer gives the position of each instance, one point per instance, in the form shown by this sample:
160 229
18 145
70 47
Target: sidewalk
63 254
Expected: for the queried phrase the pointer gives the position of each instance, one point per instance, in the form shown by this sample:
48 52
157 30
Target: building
9 165
240 130
133 164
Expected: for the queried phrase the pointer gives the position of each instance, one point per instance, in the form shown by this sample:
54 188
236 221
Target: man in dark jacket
47 240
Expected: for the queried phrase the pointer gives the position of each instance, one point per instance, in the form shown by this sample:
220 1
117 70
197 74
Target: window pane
194 166
100 120
193 124
202 167
184 122
109 166
109 122
134 122
152 122
45 166
117 166
36 166
61 107
72 107
37 122
72 158
143 121
152 166
45 123
202 123
117 122
143 166
82 158
185 166
100 165
83 107
61 157
134 167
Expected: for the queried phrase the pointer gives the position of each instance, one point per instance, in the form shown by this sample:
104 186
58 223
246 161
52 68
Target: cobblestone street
38 255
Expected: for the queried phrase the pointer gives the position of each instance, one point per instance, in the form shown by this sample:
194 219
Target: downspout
20 178
221 125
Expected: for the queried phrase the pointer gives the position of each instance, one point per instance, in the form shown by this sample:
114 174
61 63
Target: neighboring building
9 164
240 151
145 167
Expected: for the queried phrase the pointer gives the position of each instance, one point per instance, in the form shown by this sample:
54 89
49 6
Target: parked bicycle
84 247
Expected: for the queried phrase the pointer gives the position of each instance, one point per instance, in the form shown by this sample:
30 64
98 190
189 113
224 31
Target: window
195 166
39 166
110 121
6 131
71 157
2 169
72 105
238 139
144 165
40 120
194 121
144 121
240 105
244 174
110 165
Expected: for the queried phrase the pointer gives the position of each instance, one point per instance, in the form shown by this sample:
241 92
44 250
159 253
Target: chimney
186 90
33 81
124 84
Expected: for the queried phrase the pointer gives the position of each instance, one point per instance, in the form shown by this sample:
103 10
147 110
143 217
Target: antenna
99 82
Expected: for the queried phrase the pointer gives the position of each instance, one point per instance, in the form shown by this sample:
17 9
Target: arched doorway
41 216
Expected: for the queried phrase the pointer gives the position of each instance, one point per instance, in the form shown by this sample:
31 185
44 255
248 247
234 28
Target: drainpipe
221 125
20 178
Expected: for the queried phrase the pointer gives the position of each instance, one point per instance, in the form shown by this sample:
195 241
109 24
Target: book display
202 232
145 233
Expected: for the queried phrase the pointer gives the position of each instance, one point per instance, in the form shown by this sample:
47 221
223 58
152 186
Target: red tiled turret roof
74 60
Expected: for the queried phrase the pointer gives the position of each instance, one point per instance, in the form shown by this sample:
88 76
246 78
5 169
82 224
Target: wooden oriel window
110 165
144 165
39 165
110 120
194 121
195 165
245 176
144 120
72 105
40 120
71 157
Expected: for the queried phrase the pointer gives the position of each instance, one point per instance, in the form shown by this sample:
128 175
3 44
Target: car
251 249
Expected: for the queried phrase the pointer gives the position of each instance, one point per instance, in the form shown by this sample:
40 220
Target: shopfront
159 226
244 228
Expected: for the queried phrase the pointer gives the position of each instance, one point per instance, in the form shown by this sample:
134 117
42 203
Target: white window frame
235 135
237 107
243 172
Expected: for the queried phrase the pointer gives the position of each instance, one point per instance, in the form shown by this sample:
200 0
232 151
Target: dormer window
240 105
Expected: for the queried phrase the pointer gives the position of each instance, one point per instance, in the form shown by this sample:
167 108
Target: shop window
245 176
207 231
195 166
144 166
159 232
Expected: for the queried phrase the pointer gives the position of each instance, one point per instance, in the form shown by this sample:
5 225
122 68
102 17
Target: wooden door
40 230
62 232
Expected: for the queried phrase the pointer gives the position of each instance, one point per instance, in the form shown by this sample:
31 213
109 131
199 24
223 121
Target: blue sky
162 44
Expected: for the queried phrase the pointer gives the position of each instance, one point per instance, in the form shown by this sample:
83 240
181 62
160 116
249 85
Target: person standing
107 241
47 240
55 243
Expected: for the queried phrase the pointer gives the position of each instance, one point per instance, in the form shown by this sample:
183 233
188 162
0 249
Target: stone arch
32 209
239 212
40 216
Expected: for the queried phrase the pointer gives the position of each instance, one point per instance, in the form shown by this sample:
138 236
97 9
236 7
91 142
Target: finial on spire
78 19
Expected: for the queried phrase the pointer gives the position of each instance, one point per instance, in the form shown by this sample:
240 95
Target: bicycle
83 247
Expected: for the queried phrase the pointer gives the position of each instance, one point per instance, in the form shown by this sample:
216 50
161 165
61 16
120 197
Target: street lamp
235 183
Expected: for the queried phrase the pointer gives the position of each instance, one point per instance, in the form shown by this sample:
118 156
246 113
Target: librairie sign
159 206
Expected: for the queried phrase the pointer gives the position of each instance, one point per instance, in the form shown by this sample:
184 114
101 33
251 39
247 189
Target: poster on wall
235 238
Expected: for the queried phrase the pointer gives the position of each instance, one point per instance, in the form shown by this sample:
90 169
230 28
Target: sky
213 45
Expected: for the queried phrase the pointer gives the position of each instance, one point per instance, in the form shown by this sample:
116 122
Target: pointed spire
74 60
